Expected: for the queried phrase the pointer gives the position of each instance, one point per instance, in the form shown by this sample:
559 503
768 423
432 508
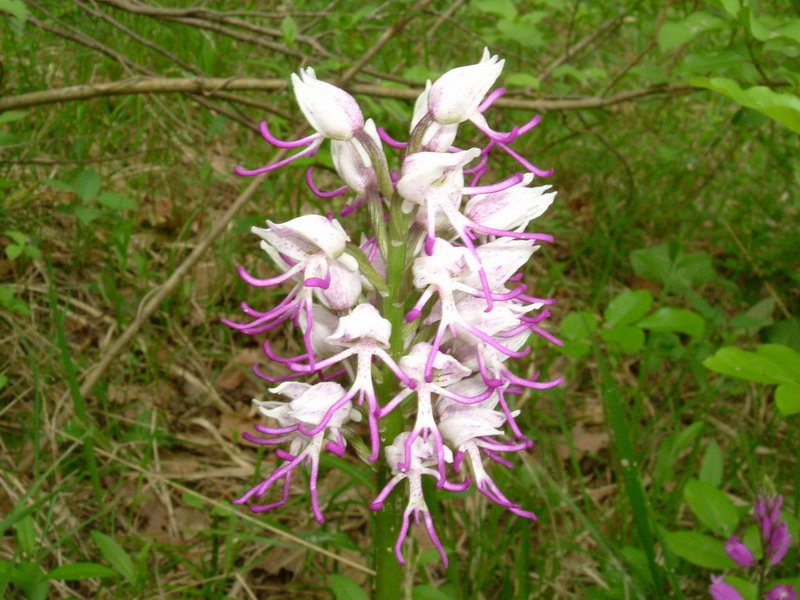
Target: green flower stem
389 573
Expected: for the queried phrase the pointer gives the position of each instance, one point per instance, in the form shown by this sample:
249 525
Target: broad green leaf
674 269
87 214
578 325
18 12
289 29
711 506
116 201
115 555
790 31
699 549
750 366
784 108
58 184
787 398
87 185
576 349
630 339
346 589
523 80
748 590
675 320
81 570
729 6
786 333
754 25
672 35
628 307
193 500
504 9
786 357
712 464
752 539
12 115
525 34
13 251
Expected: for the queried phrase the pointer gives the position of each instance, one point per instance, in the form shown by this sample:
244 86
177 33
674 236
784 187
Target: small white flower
456 95
331 111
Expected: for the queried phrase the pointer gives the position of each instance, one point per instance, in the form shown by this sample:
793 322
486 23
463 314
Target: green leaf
523 80
289 29
367 270
579 325
787 398
58 184
628 307
87 185
784 108
787 358
576 349
115 555
711 506
346 589
502 8
699 549
116 201
193 500
18 12
630 339
675 320
676 270
525 34
87 214
711 466
13 251
748 590
751 366
26 536
12 115
81 570
672 35
729 6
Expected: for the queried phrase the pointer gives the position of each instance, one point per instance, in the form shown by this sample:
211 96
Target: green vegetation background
673 131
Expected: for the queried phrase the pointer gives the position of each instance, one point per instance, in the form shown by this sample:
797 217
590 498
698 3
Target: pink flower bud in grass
331 111
723 591
779 543
739 553
781 592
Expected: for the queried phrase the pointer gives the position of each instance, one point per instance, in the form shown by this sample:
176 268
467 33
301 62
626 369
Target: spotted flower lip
331 111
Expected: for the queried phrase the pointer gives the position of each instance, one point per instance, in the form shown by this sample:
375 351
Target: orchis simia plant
411 330
775 539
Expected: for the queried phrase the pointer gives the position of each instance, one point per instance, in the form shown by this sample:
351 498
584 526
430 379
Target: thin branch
210 86
573 50
383 40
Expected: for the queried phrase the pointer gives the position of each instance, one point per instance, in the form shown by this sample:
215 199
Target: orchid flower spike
414 328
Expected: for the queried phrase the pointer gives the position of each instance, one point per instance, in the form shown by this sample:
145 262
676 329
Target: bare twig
383 39
212 85
573 50
92 375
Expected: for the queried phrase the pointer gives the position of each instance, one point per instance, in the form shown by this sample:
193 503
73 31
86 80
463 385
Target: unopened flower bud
456 95
723 591
739 553
329 110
